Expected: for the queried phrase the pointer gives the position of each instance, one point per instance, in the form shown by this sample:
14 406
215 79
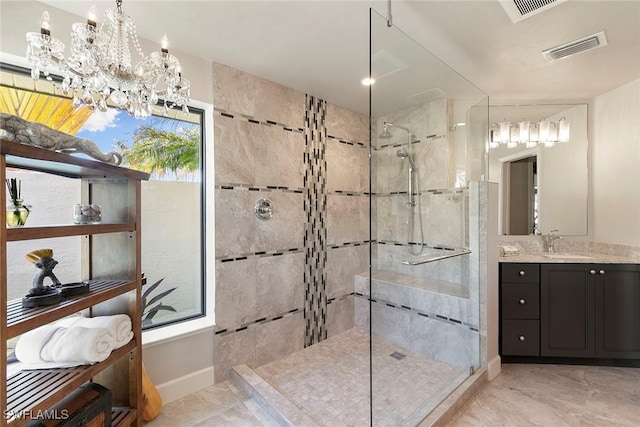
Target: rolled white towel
30 344
119 325
75 345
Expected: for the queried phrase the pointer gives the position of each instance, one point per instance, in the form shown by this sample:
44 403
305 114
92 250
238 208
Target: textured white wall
616 166
170 236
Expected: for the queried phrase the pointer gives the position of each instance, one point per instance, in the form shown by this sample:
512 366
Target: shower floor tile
330 381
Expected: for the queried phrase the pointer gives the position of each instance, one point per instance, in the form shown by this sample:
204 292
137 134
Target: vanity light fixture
514 137
523 131
101 66
563 130
494 136
532 140
505 131
531 134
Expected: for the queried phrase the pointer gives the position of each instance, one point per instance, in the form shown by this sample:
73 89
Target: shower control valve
263 209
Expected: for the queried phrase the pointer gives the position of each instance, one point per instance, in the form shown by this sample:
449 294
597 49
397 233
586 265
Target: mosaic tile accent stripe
262 321
434 316
261 254
267 188
244 326
251 119
315 207
354 143
416 141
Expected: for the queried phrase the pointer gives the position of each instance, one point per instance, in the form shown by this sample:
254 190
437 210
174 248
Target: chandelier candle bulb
44 24
91 20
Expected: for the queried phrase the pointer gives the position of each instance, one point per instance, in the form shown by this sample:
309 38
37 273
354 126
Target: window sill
177 331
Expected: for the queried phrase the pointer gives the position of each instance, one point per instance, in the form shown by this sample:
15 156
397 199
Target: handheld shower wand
411 203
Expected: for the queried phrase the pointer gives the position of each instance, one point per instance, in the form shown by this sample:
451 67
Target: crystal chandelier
530 134
100 66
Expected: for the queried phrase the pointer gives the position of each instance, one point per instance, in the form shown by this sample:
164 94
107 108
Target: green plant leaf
160 296
151 288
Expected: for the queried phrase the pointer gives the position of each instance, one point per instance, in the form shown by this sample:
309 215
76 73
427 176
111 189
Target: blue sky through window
105 128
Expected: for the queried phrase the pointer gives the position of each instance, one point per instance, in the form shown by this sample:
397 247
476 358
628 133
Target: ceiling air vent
522 9
581 45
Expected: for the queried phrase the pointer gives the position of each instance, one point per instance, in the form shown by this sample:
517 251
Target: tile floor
522 395
330 381
556 396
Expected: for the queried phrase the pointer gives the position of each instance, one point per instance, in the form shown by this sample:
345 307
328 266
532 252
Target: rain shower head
385 132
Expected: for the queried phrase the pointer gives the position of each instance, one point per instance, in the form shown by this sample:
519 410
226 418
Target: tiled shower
324 285
310 159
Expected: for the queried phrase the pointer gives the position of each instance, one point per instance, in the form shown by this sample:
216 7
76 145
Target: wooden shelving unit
110 257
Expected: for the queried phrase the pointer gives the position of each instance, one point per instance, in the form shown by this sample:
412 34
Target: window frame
203 321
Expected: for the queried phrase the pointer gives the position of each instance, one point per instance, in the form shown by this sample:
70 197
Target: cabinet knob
601 272
521 338
521 302
592 272
521 273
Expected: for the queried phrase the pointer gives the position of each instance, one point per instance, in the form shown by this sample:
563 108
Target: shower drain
398 356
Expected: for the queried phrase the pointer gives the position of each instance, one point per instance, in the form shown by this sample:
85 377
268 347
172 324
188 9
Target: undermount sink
568 256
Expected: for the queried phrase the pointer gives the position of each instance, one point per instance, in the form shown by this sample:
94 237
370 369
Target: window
170 147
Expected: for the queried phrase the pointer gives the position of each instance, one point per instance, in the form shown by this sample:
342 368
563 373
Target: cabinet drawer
520 272
520 301
521 337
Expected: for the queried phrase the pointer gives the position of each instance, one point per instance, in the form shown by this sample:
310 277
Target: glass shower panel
428 137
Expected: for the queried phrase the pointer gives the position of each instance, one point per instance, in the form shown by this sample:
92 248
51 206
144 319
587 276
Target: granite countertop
572 258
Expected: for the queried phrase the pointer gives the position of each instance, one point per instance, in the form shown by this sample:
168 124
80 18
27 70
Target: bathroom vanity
577 306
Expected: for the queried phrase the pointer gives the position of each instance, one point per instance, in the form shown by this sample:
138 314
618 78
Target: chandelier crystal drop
101 68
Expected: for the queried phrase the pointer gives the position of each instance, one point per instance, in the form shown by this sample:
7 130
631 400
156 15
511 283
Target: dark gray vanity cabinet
617 295
520 310
567 310
570 310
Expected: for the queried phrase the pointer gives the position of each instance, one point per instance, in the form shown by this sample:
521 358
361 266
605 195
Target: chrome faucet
549 239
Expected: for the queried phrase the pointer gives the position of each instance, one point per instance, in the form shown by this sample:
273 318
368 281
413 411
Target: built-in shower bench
435 298
428 316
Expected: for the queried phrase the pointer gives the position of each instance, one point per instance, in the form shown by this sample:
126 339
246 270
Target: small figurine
40 294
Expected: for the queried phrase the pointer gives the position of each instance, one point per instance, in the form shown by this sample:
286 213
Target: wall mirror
542 188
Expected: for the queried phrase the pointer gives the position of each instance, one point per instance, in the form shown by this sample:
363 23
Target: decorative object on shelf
17 129
17 211
100 66
87 214
89 405
148 310
39 294
531 134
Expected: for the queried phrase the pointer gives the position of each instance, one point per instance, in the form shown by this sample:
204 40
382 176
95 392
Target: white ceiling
322 47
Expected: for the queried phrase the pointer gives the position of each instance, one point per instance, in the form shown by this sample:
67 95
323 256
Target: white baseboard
493 368
184 386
